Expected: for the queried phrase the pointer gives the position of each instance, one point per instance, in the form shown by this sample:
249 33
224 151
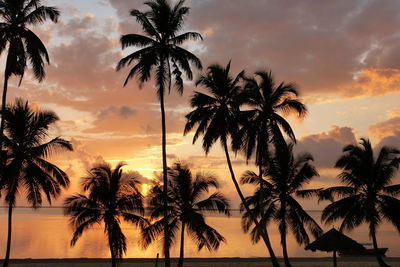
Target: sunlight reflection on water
45 233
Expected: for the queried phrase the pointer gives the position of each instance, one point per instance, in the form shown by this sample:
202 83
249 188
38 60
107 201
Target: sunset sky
343 55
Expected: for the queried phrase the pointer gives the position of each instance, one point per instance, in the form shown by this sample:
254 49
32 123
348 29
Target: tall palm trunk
284 248
2 160
261 191
3 109
113 258
165 177
253 218
375 244
282 229
7 258
180 263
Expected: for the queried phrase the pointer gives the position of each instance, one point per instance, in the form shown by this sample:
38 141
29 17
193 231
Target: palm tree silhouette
160 51
26 150
188 199
367 195
112 195
216 114
23 45
261 120
284 176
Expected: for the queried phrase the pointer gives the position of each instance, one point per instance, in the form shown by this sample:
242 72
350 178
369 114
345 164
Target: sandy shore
205 262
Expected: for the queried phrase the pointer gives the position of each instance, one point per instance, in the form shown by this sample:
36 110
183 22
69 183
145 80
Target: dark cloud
122 111
392 141
144 119
327 147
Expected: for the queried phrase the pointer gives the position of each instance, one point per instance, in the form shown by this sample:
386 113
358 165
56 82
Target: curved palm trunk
165 178
375 244
253 218
283 234
7 258
261 208
180 263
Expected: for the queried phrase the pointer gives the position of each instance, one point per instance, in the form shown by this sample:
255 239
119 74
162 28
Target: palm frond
389 208
203 234
341 208
81 228
393 190
138 40
215 203
143 20
194 36
41 14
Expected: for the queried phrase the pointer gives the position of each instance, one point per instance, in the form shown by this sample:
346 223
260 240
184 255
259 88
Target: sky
343 56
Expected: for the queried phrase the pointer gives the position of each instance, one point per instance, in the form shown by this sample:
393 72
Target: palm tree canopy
24 45
110 194
188 199
215 112
262 119
160 45
27 147
367 194
284 177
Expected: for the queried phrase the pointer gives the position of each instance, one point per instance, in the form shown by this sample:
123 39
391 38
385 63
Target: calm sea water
45 233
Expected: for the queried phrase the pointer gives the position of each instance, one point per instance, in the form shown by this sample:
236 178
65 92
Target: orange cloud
390 127
373 82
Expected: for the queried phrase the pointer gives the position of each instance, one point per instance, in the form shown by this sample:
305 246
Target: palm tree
22 43
27 169
112 195
215 113
367 195
188 200
284 177
160 52
261 121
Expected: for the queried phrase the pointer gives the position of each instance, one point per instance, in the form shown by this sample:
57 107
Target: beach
205 262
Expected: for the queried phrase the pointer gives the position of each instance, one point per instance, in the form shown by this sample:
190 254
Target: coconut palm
161 52
367 195
27 148
22 43
284 177
262 120
215 114
111 195
188 200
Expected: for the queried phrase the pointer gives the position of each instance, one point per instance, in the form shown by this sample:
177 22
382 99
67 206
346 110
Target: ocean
45 233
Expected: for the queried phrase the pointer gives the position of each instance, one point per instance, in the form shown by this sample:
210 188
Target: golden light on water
45 233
